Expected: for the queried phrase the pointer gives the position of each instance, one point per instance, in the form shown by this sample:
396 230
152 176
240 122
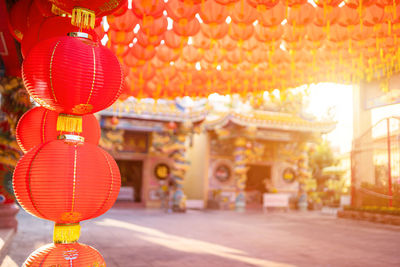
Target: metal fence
375 165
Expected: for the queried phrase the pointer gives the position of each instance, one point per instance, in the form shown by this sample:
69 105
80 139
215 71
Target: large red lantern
72 75
39 125
72 255
66 181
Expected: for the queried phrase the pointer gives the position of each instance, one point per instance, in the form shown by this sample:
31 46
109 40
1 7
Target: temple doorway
257 177
131 180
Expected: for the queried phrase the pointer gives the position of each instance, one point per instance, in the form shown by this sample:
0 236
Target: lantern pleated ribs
64 176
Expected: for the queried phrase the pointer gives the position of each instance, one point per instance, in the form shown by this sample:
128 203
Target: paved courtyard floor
137 237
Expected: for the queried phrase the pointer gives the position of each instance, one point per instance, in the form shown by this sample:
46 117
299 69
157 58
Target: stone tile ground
137 237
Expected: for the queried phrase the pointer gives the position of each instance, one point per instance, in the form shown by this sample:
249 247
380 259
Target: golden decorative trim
43 125
94 76
51 71
74 181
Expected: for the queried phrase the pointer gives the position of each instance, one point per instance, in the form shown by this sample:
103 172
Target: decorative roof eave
271 120
155 112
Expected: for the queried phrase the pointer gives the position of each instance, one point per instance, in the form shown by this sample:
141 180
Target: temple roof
166 111
270 120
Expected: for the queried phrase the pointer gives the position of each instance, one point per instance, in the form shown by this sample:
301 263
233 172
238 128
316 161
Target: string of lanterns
64 176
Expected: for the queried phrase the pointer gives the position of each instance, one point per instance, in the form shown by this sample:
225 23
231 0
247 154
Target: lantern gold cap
81 35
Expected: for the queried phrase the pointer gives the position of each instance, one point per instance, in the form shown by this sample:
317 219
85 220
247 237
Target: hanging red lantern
174 41
301 15
66 181
243 13
373 15
125 22
148 8
186 28
268 34
263 4
227 43
39 125
326 16
273 16
214 31
348 16
178 10
145 72
72 75
73 255
142 53
324 3
84 12
241 32
120 37
191 54
166 54
152 27
201 41
212 12
356 3
17 25
146 40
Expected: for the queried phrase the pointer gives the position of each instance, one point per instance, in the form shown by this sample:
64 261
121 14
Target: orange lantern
326 16
120 37
39 125
212 12
243 13
191 54
174 41
178 10
214 31
240 32
301 15
66 181
373 15
148 8
73 255
273 16
124 23
166 54
146 40
152 27
186 28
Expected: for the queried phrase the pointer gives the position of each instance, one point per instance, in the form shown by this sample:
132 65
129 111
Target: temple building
221 161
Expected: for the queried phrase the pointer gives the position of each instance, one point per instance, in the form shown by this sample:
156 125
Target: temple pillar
240 170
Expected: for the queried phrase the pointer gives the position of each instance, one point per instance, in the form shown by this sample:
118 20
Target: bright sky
338 98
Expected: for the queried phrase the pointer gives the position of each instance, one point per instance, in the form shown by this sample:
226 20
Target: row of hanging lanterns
64 176
195 48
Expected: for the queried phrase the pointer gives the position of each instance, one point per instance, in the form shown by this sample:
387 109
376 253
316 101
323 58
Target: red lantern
72 75
73 255
273 16
243 13
212 12
125 22
66 181
148 8
39 125
186 28
174 41
49 28
181 10
18 26
240 32
215 31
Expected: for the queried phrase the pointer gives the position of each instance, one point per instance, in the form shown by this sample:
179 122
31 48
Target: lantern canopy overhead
249 46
